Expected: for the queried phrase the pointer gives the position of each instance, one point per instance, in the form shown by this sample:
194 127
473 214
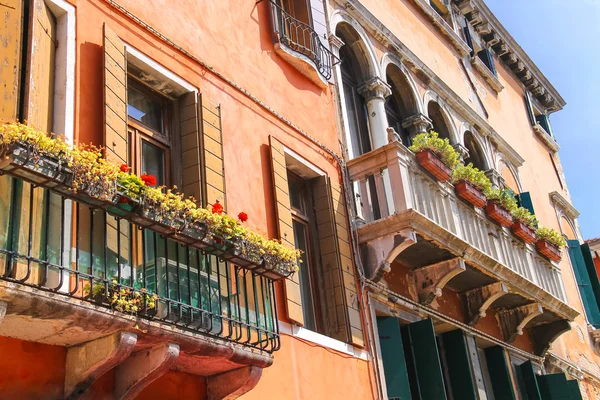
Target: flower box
192 232
122 204
498 213
245 255
273 268
19 160
548 250
523 232
434 165
470 194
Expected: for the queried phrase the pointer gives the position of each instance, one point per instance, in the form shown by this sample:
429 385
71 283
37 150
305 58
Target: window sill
302 63
546 138
456 41
323 341
488 75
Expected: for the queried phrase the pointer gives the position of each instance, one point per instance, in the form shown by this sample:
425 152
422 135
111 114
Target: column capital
335 44
416 124
375 88
495 177
462 151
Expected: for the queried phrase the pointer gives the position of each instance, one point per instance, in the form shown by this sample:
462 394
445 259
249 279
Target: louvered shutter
115 98
529 106
459 365
285 227
554 387
191 146
11 37
591 270
582 276
499 373
212 141
469 39
528 381
428 376
524 200
392 356
318 21
574 390
336 259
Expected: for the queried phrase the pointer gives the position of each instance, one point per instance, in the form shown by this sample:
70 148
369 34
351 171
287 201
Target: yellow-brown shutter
212 141
341 298
11 40
286 232
191 146
39 104
115 97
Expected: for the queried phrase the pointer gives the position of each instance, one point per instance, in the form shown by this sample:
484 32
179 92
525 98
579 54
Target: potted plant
121 298
549 243
94 177
524 225
471 184
500 205
436 155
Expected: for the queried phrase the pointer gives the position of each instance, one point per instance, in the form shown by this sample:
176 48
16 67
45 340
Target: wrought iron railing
59 245
301 38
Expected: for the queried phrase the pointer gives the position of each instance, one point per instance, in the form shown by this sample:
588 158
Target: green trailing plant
122 299
504 197
472 175
523 215
551 235
441 147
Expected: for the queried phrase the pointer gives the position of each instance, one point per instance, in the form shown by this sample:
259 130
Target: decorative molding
564 205
546 138
479 300
514 320
565 366
488 75
375 88
430 280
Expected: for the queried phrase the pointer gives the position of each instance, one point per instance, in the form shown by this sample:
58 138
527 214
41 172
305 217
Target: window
304 237
298 9
536 115
486 56
442 8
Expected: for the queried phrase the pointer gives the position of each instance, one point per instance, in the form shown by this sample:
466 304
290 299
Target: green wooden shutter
469 39
591 269
394 362
583 281
459 365
544 121
499 373
554 387
529 105
528 381
574 391
426 361
524 200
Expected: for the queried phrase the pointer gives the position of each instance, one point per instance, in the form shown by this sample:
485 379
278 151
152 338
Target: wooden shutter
591 270
285 227
392 355
499 373
554 387
115 98
458 361
212 141
528 381
39 104
11 37
469 38
582 276
425 361
336 259
574 390
191 146
524 200
544 121
529 106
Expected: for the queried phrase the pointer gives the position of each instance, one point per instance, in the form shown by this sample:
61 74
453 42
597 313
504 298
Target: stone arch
509 174
567 228
440 120
477 153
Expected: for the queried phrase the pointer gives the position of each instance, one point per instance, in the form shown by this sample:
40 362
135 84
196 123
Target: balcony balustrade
389 181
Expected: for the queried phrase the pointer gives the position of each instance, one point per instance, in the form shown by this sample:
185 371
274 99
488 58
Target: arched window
356 109
437 119
476 155
401 103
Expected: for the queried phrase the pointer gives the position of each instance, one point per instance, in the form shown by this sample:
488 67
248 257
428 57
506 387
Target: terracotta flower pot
434 165
548 250
523 232
498 213
470 193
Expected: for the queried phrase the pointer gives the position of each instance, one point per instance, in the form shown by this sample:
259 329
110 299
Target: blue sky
563 39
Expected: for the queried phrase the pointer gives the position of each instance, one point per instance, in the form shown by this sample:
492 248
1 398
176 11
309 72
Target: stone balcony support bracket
513 320
3 308
142 368
382 252
89 361
544 335
479 300
430 280
232 384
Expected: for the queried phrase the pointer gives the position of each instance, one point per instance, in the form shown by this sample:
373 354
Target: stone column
375 91
463 152
416 124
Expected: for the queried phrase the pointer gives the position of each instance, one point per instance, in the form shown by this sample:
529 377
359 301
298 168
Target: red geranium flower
243 216
217 208
124 168
149 180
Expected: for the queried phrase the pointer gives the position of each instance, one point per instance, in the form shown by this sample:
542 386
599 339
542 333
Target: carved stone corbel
232 384
142 368
544 335
382 252
430 280
89 361
513 320
477 301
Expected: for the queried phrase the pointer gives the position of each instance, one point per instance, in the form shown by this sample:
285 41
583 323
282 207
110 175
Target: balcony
76 275
300 45
413 220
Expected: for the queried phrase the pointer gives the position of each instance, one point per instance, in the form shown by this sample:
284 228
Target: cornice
564 365
565 205
510 52
546 138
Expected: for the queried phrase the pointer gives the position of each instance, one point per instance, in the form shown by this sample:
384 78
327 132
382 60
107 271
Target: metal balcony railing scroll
59 245
301 38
